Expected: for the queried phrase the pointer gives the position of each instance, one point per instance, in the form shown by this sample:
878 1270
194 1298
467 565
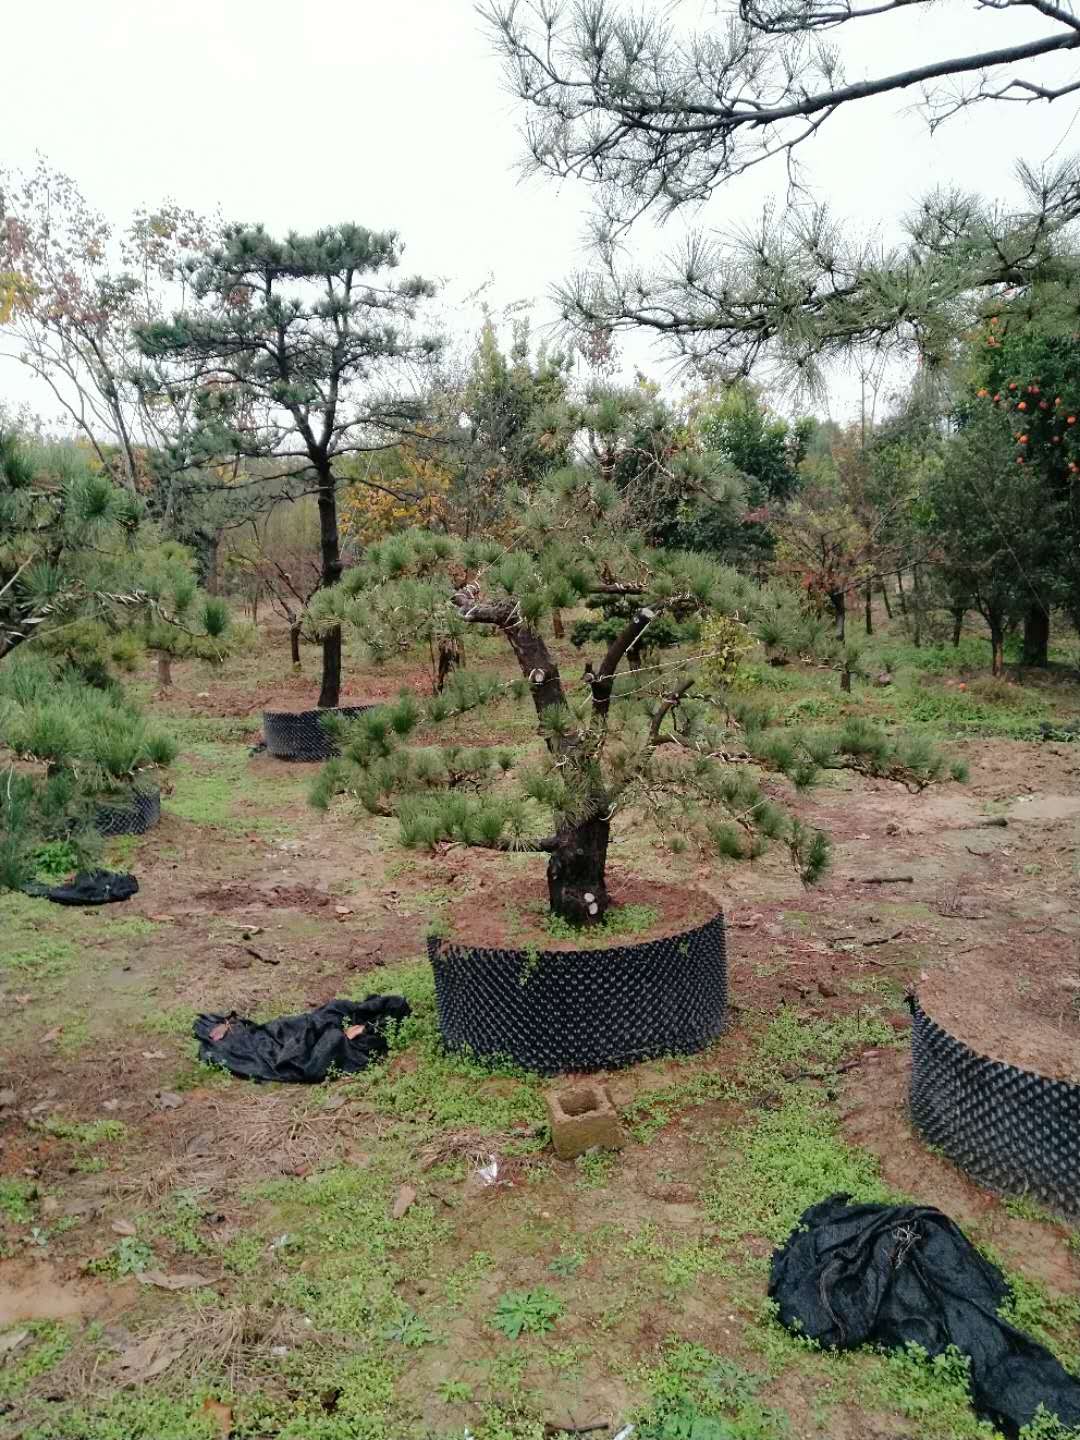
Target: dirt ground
187 1256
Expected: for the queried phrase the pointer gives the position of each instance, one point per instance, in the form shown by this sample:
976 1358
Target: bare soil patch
513 914
1023 1010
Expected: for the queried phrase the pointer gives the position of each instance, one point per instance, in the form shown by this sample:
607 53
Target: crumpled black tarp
92 887
891 1274
301 1048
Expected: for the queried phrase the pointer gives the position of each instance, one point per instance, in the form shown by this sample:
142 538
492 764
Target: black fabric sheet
301 1049
892 1274
93 887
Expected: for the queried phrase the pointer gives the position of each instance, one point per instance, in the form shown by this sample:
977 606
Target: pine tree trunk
577 888
164 670
557 625
1036 637
900 592
294 646
885 597
958 626
330 551
838 601
869 604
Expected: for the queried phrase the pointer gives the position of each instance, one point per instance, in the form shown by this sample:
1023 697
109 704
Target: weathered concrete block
583 1118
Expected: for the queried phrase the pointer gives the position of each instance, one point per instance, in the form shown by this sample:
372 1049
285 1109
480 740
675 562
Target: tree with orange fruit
1032 378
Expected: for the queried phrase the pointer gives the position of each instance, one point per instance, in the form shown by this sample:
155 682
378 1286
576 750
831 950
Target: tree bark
838 601
449 658
869 607
164 670
885 597
997 648
845 680
900 592
916 606
294 646
330 552
958 626
557 627
576 885
1036 636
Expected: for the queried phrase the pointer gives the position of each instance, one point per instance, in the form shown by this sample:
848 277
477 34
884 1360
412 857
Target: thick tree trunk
164 670
577 888
868 599
557 625
958 626
1036 636
294 646
330 550
997 647
838 601
885 597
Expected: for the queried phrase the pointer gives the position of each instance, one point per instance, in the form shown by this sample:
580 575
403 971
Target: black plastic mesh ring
1012 1130
299 735
557 1010
137 814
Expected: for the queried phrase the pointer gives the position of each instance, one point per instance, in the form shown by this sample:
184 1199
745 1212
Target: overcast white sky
394 114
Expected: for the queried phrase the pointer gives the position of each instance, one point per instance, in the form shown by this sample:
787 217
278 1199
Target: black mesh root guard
133 816
299 735
1012 1130
559 1010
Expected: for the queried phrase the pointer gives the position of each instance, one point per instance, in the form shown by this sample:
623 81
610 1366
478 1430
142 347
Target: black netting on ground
897 1275
138 813
339 1038
301 735
1010 1129
583 1010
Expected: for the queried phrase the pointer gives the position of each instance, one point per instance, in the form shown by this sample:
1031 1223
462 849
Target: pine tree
613 741
84 586
293 352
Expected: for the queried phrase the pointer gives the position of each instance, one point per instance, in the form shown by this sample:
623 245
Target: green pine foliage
85 588
652 741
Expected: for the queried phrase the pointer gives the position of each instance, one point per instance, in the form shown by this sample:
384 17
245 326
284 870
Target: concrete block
583 1118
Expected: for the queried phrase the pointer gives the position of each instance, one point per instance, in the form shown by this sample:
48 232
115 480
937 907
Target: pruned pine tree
613 743
295 349
82 590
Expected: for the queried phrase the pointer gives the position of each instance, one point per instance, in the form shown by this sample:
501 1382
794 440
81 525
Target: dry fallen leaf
168 1100
150 1358
51 1035
154 1055
405 1197
123 1227
172 1282
12 1340
219 1415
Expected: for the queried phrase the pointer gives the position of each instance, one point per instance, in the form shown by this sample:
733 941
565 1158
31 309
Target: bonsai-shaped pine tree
285 351
610 743
79 594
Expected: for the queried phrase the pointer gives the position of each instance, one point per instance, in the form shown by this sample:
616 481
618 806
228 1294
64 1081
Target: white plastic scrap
488 1174
624 1433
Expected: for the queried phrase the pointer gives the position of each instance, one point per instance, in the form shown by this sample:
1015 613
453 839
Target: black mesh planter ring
557 1010
300 735
1010 1129
134 815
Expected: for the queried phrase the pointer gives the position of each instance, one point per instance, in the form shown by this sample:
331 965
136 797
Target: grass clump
49 1343
619 920
16 1200
84 1134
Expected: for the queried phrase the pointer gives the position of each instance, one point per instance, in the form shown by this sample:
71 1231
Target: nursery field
185 1256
